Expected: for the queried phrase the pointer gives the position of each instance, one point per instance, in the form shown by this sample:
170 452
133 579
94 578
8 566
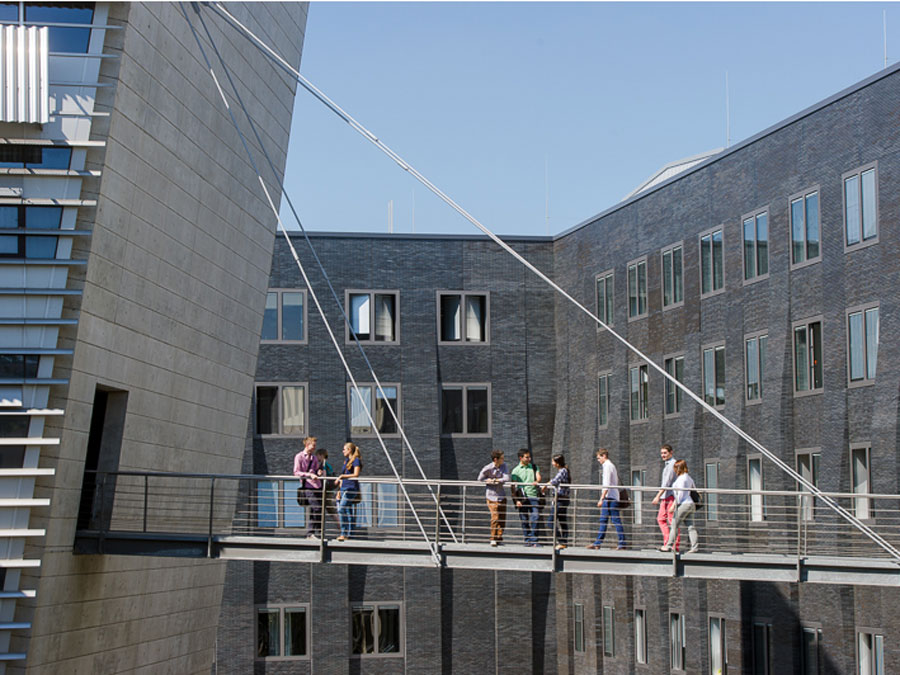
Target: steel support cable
432 545
785 468
324 273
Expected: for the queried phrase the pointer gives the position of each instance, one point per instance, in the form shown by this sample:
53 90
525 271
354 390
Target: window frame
807 322
764 668
680 665
607 375
462 299
816 630
465 409
281 607
807 502
713 291
375 605
279 318
713 346
609 278
760 367
641 656
280 386
638 479
578 641
679 395
643 404
372 500
348 337
607 637
723 640
862 309
762 486
803 195
862 243
754 215
22 232
637 263
662 277
711 499
873 634
864 501
351 396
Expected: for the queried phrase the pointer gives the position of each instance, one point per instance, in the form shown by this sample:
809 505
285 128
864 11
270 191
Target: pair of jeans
498 518
664 518
559 515
609 510
528 515
314 513
347 511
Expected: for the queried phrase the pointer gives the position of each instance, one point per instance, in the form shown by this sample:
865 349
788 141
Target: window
714 375
30 220
466 409
869 654
62 38
860 207
373 316
677 641
278 504
672 277
639 379
605 297
281 409
579 627
861 477
756 245
754 365
34 157
862 344
609 631
674 366
712 263
808 467
640 636
637 506
808 357
603 401
718 652
755 484
372 404
637 289
711 498
377 629
811 649
379 506
805 236
19 366
463 318
762 635
281 632
285 317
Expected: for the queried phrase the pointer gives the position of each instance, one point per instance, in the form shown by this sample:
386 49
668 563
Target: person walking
683 507
526 477
348 489
306 468
665 497
609 501
559 510
495 475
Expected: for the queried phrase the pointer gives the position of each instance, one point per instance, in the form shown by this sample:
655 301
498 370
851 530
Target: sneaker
312 536
664 549
342 538
493 542
560 547
620 548
593 547
693 549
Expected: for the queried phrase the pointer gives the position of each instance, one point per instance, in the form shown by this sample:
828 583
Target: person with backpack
559 511
526 477
683 508
348 485
306 468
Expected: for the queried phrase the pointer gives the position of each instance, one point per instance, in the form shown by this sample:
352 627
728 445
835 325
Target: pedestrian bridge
744 535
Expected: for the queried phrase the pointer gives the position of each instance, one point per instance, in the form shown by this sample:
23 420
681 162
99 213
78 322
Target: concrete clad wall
173 298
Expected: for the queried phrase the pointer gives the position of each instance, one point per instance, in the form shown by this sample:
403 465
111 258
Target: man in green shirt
526 494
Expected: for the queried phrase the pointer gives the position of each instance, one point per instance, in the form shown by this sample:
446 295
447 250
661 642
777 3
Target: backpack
697 499
624 498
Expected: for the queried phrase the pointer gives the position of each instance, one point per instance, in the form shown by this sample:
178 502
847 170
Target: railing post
146 491
322 519
437 517
102 517
464 513
209 541
574 492
555 513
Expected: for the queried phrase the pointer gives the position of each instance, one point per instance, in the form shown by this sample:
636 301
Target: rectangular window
609 631
637 510
712 263
281 632
639 379
29 231
811 640
34 157
63 38
754 366
718 651
711 498
466 410
862 344
672 277
579 627
755 484
808 357
637 289
869 654
373 316
756 245
605 297
860 207
603 401
714 375
372 404
861 477
281 409
377 628
805 236
640 636
674 366
808 467
285 317
677 641
463 318
761 648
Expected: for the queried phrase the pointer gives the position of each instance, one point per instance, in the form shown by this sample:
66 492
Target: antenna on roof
727 114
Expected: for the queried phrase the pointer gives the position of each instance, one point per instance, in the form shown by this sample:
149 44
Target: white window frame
808 469
609 631
754 216
373 501
873 662
713 290
607 375
279 317
578 627
463 295
348 336
804 196
641 651
280 403
714 346
401 650
678 246
807 323
677 642
866 380
711 499
465 386
643 403
637 263
280 608
667 384
723 643
863 506
756 504
609 279
638 479
760 367
858 173
374 396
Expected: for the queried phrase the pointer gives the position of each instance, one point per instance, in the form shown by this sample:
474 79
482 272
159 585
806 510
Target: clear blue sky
483 98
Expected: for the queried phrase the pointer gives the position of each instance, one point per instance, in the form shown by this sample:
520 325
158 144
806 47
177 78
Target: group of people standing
312 468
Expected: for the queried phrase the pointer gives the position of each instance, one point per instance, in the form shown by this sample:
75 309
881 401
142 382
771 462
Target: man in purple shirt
306 468
495 475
